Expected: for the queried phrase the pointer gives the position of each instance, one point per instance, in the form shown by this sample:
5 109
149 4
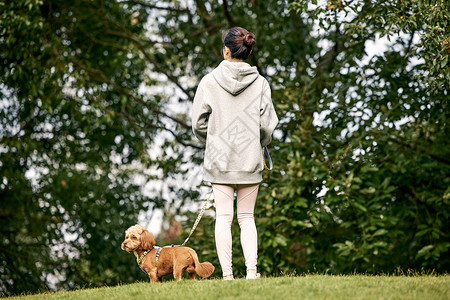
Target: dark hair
240 42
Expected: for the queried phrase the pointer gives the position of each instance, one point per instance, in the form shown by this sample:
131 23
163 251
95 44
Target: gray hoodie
234 116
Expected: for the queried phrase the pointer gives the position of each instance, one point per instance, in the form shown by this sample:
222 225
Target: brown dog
171 260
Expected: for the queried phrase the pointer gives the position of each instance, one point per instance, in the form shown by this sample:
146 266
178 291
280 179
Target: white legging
224 201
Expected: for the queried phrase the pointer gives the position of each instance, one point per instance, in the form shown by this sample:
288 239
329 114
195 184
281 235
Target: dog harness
186 240
157 255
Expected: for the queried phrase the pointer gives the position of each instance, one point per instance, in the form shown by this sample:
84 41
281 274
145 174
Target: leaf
444 62
360 207
425 250
280 240
380 232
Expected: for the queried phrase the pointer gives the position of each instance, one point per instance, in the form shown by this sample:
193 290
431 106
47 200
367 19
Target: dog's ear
147 240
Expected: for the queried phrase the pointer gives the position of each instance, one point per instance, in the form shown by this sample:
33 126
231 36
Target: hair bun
249 39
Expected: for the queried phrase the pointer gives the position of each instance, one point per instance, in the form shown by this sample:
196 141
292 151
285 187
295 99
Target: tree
72 123
376 151
361 170
96 94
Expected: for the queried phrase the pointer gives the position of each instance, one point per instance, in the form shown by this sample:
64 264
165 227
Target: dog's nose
124 244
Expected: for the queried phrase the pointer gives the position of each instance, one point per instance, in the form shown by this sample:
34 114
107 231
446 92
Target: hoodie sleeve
200 115
269 119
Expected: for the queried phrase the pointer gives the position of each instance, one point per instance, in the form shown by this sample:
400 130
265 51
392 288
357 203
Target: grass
293 287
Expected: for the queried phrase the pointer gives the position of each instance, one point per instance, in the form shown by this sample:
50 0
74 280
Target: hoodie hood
235 77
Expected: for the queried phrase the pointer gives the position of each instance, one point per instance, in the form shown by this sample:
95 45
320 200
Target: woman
234 116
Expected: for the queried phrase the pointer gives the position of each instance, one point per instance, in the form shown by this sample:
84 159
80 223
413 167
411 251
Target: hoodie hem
232 177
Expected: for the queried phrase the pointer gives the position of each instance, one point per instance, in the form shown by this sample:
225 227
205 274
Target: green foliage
66 188
361 178
96 94
380 151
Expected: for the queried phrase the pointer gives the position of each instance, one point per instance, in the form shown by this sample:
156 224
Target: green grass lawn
299 287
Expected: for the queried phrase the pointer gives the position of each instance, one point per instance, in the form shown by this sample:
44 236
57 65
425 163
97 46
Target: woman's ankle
228 277
251 272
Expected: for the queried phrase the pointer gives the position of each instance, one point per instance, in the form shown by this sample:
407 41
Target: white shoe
253 276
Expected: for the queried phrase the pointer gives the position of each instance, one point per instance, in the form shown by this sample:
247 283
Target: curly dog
170 260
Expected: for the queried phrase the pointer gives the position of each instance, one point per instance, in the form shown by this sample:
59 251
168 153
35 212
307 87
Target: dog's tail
204 269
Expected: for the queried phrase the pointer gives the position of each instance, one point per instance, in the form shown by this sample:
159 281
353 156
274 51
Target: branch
411 39
126 34
422 149
177 138
227 14
147 56
152 6
155 110
100 42
101 77
326 62
147 125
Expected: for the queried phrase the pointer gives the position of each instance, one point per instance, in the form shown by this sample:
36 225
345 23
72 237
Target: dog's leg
191 272
153 277
178 272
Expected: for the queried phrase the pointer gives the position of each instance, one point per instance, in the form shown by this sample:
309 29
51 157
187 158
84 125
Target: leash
200 215
266 152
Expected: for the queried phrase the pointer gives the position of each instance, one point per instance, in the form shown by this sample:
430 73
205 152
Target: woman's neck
234 60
